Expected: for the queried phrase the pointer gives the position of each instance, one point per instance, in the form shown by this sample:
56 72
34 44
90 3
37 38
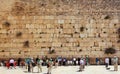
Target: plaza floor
63 70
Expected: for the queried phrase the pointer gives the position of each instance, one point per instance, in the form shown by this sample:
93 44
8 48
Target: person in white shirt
74 61
82 63
106 62
11 63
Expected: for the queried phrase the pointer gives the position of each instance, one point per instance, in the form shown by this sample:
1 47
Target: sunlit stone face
71 27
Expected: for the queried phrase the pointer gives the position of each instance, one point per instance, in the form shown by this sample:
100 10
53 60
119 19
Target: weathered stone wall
70 27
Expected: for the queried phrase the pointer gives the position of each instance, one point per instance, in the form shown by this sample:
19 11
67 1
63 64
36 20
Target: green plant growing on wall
18 34
100 49
61 26
3 50
110 50
26 44
80 50
107 17
118 31
118 41
82 29
119 36
19 52
51 51
6 24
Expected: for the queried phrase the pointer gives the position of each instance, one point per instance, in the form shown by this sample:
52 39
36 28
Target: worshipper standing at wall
115 63
101 61
64 61
106 62
27 61
56 63
110 61
15 64
39 64
49 66
87 60
32 64
71 61
68 62
2 63
82 63
12 63
19 61
29 68
37 59
74 61
78 60
22 63
7 64
60 60
97 61
28 64
44 59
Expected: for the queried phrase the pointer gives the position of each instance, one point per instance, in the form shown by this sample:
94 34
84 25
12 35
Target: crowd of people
58 61
29 63
109 61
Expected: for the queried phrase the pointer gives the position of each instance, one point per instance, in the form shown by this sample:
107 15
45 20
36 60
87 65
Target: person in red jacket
8 64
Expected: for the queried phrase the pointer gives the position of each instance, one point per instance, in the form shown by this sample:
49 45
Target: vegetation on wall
118 41
61 26
80 50
19 52
3 50
110 50
26 44
82 29
18 34
51 51
107 17
6 24
118 31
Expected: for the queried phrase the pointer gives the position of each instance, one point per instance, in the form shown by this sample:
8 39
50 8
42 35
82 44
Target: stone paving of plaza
63 70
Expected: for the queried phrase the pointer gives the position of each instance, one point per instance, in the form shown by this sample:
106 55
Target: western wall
59 28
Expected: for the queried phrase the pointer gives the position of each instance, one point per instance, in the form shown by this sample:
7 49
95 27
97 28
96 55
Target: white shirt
11 61
115 60
74 59
82 62
107 60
